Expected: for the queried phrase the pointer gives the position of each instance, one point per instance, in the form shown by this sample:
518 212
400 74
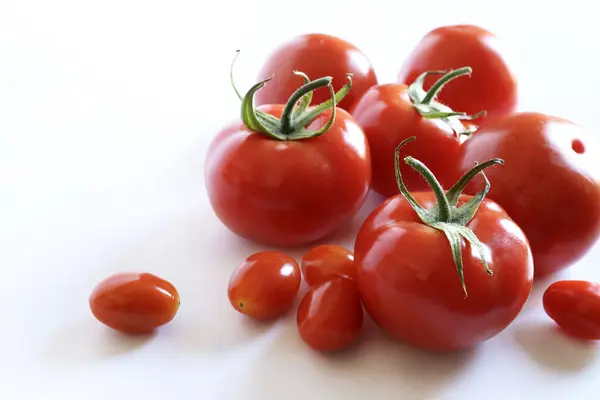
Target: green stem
456 190
287 125
444 212
437 86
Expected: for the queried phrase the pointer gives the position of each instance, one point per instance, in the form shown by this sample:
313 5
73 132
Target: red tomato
549 185
288 188
575 307
493 86
411 257
316 55
330 315
134 303
388 114
325 261
265 285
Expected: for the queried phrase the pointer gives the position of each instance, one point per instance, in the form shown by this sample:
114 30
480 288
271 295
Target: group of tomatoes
478 199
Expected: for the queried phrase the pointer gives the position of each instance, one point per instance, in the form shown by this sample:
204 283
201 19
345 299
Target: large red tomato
288 175
439 277
390 113
493 86
549 186
316 55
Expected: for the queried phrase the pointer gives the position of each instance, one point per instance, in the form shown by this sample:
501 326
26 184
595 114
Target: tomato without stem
441 270
493 86
390 113
265 285
549 185
326 261
289 174
330 315
134 303
575 306
316 55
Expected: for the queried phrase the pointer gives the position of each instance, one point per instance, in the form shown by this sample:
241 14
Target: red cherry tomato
316 55
388 114
134 303
548 186
492 87
575 307
409 275
330 315
325 261
288 188
265 285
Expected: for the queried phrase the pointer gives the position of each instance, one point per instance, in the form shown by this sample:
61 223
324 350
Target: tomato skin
325 261
265 285
330 315
288 193
548 188
410 286
316 55
134 303
387 116
575 306
456 46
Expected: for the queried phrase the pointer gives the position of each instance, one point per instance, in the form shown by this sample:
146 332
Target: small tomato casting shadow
89 342
550 347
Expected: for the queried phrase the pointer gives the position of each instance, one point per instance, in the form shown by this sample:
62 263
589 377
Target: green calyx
428 107
445 215
296 114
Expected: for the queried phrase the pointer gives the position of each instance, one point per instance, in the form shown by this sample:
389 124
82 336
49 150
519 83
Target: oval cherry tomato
265 285
410 280
293 188
492 87
134 303
330 315
388 114
575 307
325 261
549 185
316 55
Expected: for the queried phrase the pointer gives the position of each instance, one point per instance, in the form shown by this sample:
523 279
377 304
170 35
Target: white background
106 110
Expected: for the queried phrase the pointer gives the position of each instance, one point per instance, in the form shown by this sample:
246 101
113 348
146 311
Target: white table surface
106 110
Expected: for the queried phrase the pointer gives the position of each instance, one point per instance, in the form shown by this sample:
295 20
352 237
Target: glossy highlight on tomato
293 181
330 315
493 85
575 306
265 285
316 55
326 261
549 185
442 278
134 303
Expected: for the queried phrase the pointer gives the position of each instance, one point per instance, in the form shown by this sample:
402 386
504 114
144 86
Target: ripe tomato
493 86
316 55
390 113
549 185
408 253
265 285
575 307
325 261
330 315
289 175
134 303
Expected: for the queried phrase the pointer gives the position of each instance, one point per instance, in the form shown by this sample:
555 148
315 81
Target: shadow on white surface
87 343
551 348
